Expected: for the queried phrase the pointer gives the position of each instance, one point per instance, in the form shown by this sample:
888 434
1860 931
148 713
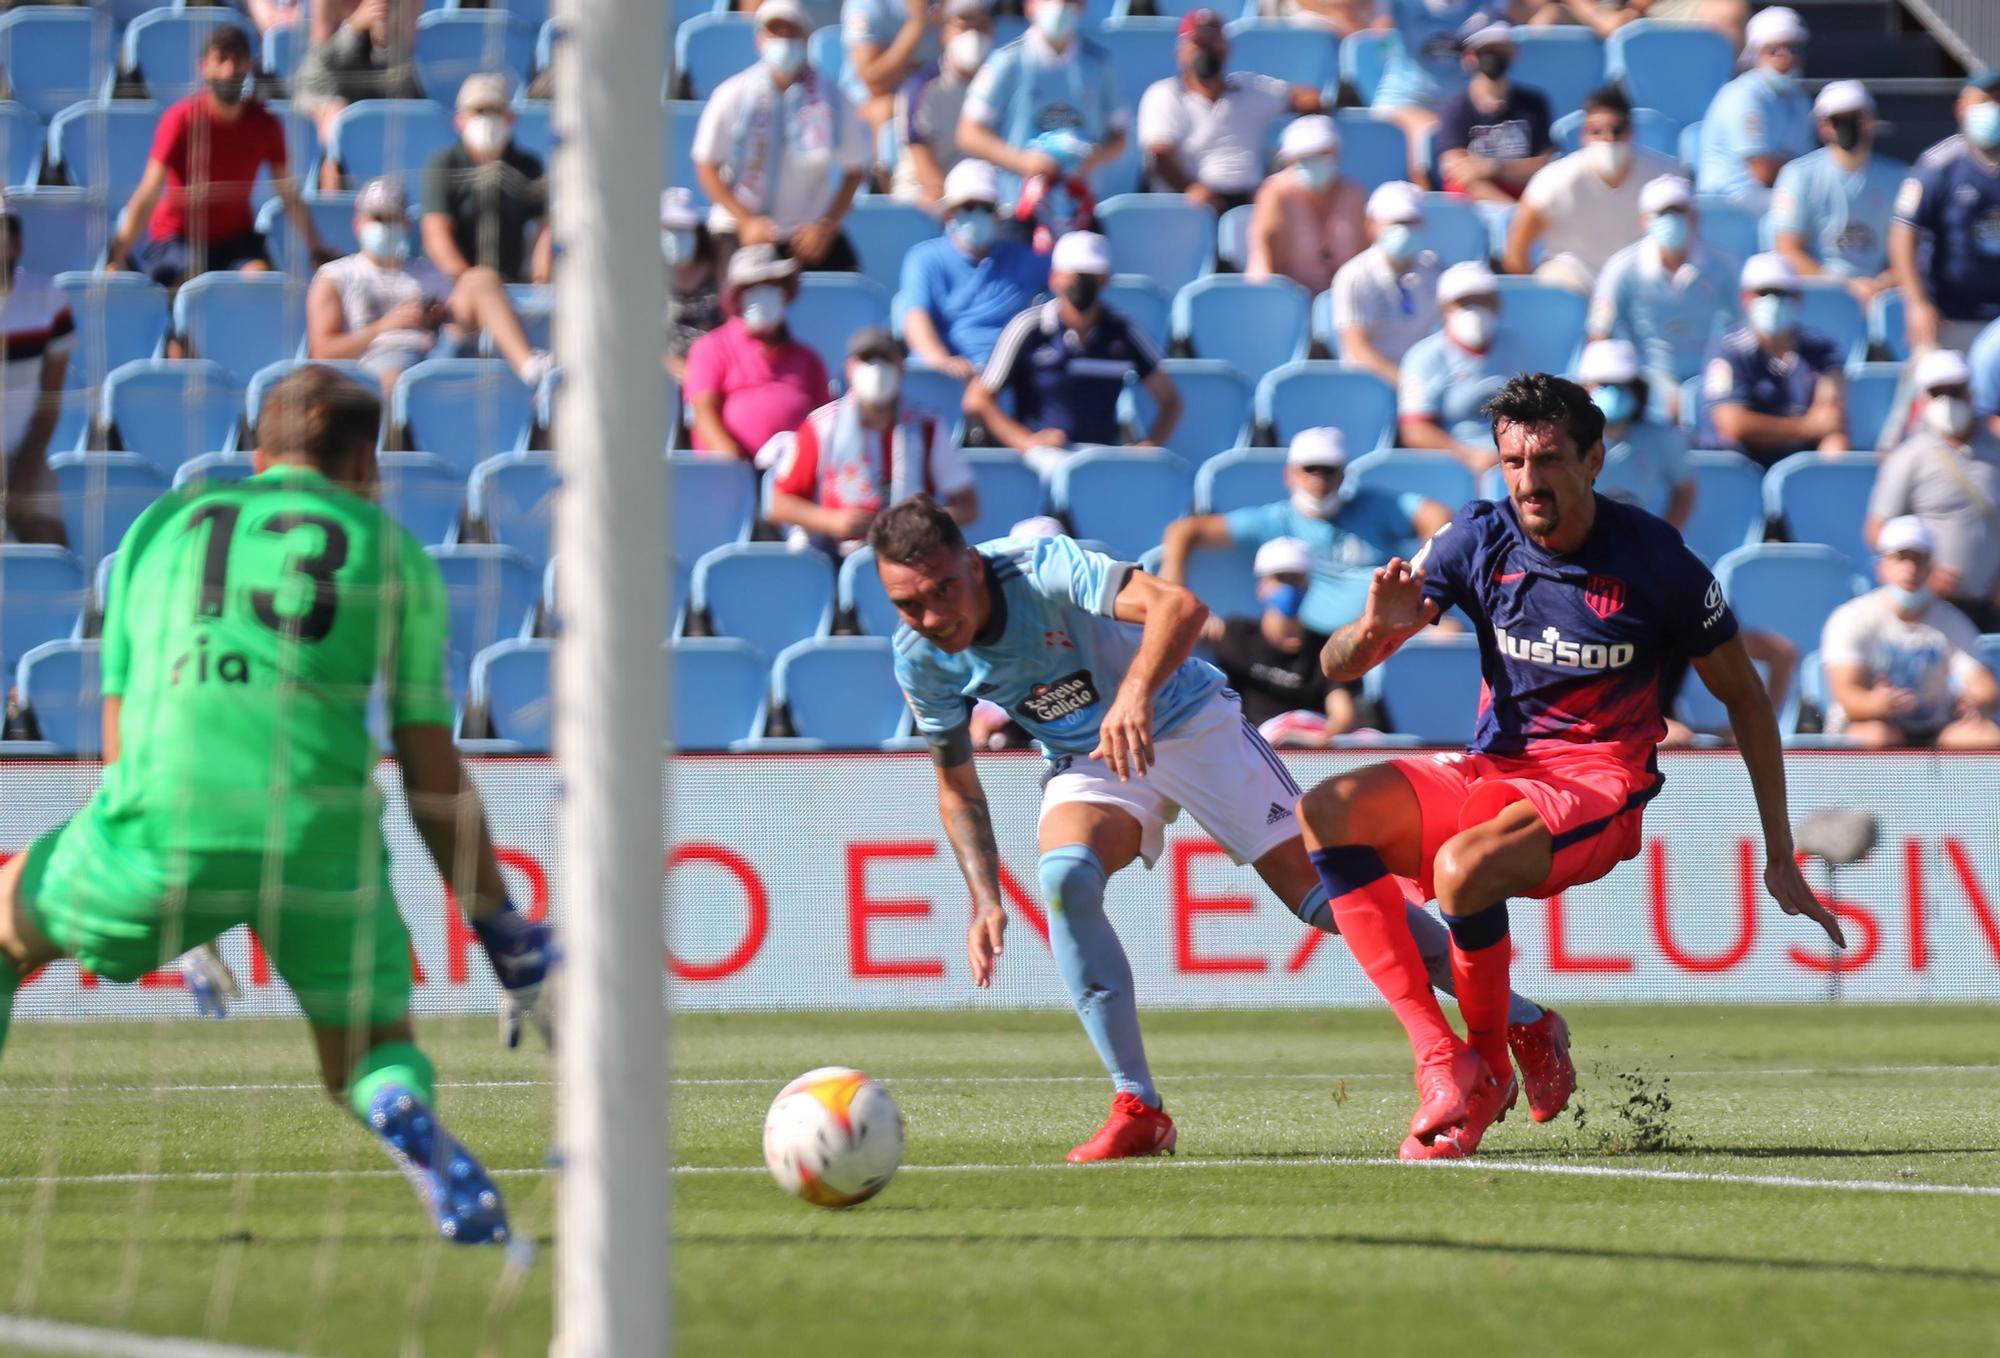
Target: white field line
53 1336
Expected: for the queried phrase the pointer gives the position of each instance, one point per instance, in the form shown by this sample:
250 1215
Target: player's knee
1460 863
1328 810
1072 877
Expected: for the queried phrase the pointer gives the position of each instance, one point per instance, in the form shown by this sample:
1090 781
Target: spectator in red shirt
195 192
748 379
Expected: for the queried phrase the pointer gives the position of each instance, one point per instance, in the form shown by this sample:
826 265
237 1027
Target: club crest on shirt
1605 594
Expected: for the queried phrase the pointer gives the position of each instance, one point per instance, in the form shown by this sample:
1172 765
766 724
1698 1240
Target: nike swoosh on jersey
1500 579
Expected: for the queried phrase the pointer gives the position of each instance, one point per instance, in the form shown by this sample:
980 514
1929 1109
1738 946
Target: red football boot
1133 1129
1444 1083
1541 1049
1489 1104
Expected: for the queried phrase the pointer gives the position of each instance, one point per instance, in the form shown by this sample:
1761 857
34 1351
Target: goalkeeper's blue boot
462 1198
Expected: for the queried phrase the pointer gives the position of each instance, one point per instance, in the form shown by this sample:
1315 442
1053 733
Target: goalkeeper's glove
523 954
209 981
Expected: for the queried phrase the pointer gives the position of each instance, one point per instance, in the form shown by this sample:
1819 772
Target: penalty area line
55 1336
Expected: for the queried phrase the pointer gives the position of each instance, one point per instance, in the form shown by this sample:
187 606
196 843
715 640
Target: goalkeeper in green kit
246 625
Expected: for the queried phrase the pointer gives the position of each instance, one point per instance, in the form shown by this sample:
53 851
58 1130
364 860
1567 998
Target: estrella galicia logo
1060 702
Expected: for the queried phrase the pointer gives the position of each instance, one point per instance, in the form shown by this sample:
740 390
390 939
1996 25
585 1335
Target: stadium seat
169 410
1122 497
882 231
709 48
55 57
422 493
1989 651
841 691
453 45
511 683
1253 327
1454 230
1702 712
491 593
1430 688
43 591
1886 327
719 693
1414 471
1315 392
1372 152
120 318
58 682
219 467
513 495
21 144
163 48
830 307
102 493
1239 478
332 216
826 53
1145 305
1215 407
859 595
1546 319
389 137
1731 229
464 409
683 116
1651 129
713 502
1787 587
764 593
1564 63
1871 399
1225 578
534 132
1009 491
282 51
935 393
1160 235
241 320
1821 499
1141 50
1829 308
1362 58
61 229
1325 339
1728 504
1673 67
1290 52
1232 237
103 146
271 374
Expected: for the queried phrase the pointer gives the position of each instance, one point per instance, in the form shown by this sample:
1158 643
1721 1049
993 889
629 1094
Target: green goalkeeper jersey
245 628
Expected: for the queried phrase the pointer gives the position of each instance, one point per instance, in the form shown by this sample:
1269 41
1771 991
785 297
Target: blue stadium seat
513 494
713 502
1822 499
1009 491
882 231
389 137
302 152
241 320
21 144
937 393
1702 712
61 229
683 116
1254 327
43 591
218 467
1238 479
491 593
458 43
1886 326
511 684
1728 504
1871 398
1565 63
422 493
1372 152
1651 129
1232 237
1454 230
830 307
56 57
1160 235
163 48
120 317
1122 497
709 48
1291 52
271 374
1362 58
534 132
464 409
1989 651
1141 50
332 216
764 593
103 146
1731 229
841 691
1215 407
1828 307
169 410
1316 392
1225 578
859 595
1144 304
102 493
1430 689
719 693
1547 320
1688 147
533 13
1787 587
58 682
1325 338
1414 471
826 53
1673 67
283 49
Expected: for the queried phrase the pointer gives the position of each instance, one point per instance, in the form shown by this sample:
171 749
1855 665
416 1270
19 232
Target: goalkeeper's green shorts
329 924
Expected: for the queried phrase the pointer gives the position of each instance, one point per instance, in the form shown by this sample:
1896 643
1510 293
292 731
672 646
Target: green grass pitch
1743 1181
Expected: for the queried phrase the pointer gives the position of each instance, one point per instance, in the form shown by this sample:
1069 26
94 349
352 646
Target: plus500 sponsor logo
1551 649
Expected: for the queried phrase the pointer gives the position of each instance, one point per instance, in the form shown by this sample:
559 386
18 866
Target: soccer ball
833 1137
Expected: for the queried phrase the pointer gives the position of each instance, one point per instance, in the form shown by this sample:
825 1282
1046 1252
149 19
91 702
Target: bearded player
1095 659
1580 602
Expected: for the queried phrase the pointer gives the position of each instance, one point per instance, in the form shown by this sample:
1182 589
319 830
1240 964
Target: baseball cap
385 198
1283 556
1323 446
1608 362
1843 96
1483 30
971 181
770 11
1986 81
679 209
1467 279
1769 27
1396 201
875 341
1905 533
1668 191
1769 272
753 264
1203 26
486 90
1082 252
1040 526
1312 135
1941 368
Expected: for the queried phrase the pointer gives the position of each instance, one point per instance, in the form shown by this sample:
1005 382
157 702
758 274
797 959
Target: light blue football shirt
1370 528
1422 66
1751 116
1670 318
1643 467
1843 214
1027 88
1053 654
1449 384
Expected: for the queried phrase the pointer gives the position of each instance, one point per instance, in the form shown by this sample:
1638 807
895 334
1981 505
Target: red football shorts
1593 806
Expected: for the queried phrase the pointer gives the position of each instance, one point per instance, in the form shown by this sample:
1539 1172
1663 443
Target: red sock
1480 953
1369 908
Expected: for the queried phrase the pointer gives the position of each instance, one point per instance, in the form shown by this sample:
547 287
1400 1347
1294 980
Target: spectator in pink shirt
748 379
1308 220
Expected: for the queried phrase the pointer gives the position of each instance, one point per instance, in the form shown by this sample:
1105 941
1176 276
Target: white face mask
784 56
876 383
384 244
1608 159
1471 326
762 307
1316 506
967 52
487 134
1058 21
1949 416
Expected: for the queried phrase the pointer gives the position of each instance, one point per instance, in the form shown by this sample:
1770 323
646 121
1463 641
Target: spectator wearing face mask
1584 208
960 290
1772 388
1447 377
483 194
1645 461
1309 221
1493 135
1385 298
881 38
1952 204
1422 70
1902 665
929 104
855 456
1050 80
1947 474
366 55
748 379
1831 209
1670 294
780 152
1272 660
1205 128
694 282
1761 119
1348 530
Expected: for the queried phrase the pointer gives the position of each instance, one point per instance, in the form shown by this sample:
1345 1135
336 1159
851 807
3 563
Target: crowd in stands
1210 318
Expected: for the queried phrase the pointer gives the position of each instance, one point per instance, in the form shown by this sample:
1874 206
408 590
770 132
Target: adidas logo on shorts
1276 814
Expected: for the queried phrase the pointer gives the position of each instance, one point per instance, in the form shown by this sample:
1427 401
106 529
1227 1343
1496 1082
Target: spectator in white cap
483 194
1065 363
1309 218
1671 294
780 151
1349 530
1204 129
1947 474
1902 666
387 311
1448 377
1385 298
1049 81
881 38
1272 660
748 379
1761 119
1493 135
1831 210
34 364
1645 460
1580 210
928 104
959 291
694 276
1771 388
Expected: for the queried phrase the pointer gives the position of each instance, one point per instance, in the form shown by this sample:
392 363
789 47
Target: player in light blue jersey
1096 660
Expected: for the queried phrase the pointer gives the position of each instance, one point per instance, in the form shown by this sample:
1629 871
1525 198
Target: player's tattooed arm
1396 611
969 825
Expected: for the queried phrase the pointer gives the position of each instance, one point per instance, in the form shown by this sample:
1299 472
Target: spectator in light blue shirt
881 38
1831 209
1050 80
1761 119
960 290
1985 360
1423 67
1448 377
1645 461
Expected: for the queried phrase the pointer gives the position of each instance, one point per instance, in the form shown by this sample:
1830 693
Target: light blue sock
1433 944
1093 966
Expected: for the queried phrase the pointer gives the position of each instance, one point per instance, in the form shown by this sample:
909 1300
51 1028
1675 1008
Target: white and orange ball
833 1137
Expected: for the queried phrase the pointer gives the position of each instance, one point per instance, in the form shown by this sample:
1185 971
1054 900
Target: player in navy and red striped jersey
1580 602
